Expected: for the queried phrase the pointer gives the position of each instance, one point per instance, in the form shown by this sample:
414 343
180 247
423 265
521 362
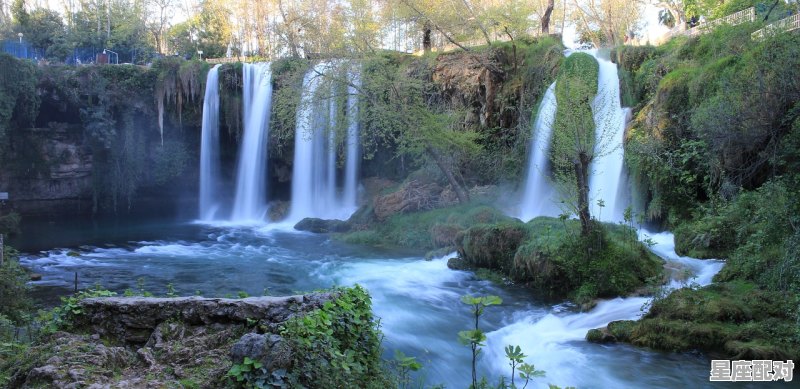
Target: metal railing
784 25
743 16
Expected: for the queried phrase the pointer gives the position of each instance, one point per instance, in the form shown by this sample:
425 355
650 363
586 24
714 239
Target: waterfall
309 197
315 192
350 197
250 201
209 148
537 198
606 179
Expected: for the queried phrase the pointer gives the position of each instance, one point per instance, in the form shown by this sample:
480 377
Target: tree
398 114
162 13
546 17
575 141
607 22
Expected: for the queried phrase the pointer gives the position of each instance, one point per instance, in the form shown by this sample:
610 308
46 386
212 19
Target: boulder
278 210
322 226
600 335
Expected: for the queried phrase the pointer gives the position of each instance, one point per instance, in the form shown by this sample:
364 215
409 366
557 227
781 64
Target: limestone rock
134 319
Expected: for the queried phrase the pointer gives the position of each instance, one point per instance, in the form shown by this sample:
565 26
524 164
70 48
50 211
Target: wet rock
36 277
278 210
322 226
600 335
252 345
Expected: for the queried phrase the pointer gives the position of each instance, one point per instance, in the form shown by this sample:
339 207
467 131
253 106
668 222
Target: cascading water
310 194
555 340
314 176
606 179
350 197
250 201
209 148
538 195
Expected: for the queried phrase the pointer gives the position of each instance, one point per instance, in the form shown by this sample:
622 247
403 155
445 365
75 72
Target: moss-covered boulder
735 320
550 255
492 246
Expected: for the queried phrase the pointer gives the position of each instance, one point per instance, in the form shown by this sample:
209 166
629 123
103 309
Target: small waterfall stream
209 148
350 196
250 201
538 199
606 176
556 340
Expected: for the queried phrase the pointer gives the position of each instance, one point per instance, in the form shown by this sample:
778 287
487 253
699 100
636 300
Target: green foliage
63 317
288 80
252 374
337 345
13 288
19 100
712 125
756 232
550 255
425 230
404 365
475 337
9 223
737 319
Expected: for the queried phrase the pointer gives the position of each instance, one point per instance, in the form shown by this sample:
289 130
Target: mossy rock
735 320
492 246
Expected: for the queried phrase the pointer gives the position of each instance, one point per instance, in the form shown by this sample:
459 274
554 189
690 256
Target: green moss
549 255
736 319
426 230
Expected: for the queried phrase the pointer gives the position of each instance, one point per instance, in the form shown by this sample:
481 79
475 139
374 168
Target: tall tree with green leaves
575 143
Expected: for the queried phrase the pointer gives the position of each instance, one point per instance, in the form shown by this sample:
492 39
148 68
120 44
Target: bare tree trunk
461 193
546 17
1 250
426 37
582 181
436 26
478 22
513 47
766 17
289 31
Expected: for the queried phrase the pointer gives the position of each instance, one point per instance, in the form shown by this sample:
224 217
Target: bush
336 346
13 289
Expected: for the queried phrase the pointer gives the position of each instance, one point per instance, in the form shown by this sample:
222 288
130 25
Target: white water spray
350 197
557 340
250 202
209 148
314 176
606 179
537 199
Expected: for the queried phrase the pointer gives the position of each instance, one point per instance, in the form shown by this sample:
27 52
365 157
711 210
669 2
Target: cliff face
52 171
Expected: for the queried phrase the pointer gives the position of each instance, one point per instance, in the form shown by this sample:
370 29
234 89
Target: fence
743 16
76 56
784 25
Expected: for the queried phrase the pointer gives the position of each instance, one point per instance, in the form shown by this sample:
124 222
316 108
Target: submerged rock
322 226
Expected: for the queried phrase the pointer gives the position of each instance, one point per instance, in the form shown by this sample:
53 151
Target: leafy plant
475 338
